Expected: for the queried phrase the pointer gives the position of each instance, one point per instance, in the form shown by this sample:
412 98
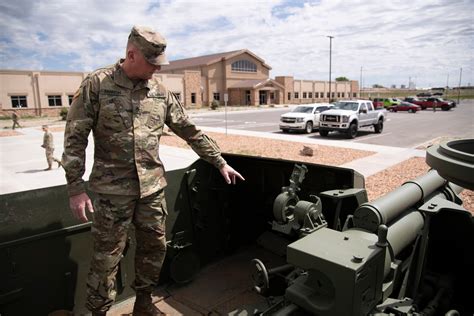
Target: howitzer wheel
260 277
283 207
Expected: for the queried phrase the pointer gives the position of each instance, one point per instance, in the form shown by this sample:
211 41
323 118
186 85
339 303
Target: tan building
240 76
245 79
40 93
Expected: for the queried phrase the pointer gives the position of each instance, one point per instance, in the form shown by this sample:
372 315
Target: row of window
309 95
20 101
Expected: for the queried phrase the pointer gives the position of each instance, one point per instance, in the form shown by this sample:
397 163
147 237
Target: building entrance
262 97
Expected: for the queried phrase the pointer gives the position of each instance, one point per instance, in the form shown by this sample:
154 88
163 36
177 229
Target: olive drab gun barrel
384 210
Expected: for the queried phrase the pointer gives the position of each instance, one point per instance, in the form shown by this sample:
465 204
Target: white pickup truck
349 115
304 117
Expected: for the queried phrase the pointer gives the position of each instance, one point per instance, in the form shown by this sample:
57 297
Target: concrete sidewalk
23 160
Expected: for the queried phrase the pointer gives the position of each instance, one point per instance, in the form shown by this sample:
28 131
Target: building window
217 96
289 96
338 94
297 96
355 95
272 96
343 94
193 98
321 95
244 65
54 100
19 101
310 95
328 95
69 98
333 94
304 95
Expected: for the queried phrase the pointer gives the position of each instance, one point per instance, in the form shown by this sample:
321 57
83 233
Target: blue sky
390 41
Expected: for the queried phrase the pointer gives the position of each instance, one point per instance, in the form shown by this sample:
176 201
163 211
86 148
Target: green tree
342 79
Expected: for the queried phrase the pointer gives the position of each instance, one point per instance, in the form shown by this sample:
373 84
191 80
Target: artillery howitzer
406 253
400 246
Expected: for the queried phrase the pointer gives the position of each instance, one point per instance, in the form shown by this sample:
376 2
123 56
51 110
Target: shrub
63 113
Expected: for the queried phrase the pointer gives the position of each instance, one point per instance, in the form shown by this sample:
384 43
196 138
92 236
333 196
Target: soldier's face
143 69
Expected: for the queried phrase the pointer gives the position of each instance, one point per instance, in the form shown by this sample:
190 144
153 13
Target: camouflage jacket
48 142
127 122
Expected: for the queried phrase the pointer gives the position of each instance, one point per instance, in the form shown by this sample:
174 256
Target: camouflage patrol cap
151 43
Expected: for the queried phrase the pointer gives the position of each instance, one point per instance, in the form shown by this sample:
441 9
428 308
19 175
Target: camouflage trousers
50 158
112 217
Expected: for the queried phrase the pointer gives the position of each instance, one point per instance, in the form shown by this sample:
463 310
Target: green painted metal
45 252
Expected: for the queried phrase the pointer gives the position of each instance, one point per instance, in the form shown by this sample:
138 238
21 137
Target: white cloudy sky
426 40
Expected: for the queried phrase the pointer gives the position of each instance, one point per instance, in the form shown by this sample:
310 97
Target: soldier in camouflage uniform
48 145
15 119
127 112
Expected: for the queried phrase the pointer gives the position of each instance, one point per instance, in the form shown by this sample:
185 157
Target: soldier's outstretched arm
80 121
78 204
229 174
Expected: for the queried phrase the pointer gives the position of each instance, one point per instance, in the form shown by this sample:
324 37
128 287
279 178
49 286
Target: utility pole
459 85
330 57
360 83
447 87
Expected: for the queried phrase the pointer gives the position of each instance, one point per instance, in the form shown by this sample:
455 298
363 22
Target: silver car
303 117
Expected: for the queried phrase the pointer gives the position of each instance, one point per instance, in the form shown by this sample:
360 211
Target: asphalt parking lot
402 129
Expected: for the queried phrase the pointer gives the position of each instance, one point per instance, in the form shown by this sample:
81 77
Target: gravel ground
377 185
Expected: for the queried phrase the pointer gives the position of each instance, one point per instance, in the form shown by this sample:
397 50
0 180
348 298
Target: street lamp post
459 85
330 53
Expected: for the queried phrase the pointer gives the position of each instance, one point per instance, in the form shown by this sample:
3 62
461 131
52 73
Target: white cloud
390 40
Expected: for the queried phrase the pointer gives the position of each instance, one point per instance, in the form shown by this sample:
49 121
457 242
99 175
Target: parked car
390 101
348 116
378 103
303 117
404 106
411 99
424 94
431 102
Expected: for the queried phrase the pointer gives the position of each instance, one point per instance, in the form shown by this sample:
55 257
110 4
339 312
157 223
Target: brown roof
206 60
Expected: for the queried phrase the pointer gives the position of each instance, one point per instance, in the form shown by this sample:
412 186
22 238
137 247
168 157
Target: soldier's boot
49 168
59 163
144 305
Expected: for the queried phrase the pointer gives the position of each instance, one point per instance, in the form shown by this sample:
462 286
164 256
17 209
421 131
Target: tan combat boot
144 305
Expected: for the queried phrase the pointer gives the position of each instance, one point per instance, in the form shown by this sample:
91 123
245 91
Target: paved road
402 129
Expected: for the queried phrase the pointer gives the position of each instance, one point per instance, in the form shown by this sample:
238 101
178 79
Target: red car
404 106
435 102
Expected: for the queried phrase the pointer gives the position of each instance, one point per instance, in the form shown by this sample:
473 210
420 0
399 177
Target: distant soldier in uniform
15 119
127 112
48 145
